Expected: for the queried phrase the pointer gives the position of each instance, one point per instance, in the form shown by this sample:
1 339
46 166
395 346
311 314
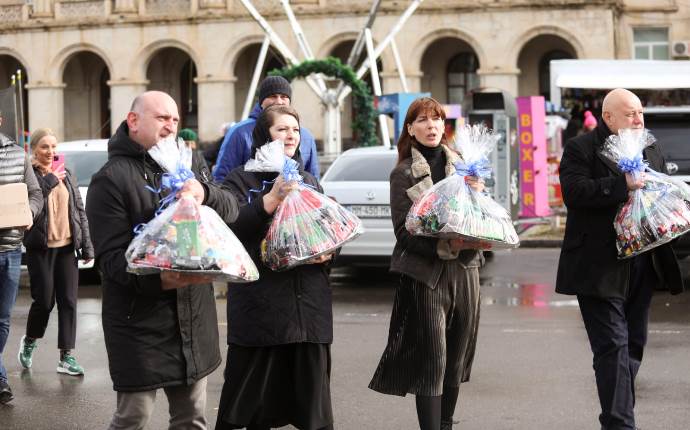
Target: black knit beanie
274 85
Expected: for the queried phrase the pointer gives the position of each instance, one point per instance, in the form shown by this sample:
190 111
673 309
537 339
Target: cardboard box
14 205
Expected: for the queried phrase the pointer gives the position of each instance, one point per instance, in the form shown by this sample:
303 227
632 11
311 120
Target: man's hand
195 188
174 280
477 184
635 184
460 244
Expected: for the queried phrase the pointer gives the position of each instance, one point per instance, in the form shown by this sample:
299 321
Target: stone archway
86 100
244 69
173 71
9 65
533 62
449 70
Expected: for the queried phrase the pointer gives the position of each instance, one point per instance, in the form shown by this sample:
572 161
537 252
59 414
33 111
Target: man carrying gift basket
161 330
614 292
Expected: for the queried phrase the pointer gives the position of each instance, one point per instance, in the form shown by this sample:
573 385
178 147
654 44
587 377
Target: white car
358 179
84 158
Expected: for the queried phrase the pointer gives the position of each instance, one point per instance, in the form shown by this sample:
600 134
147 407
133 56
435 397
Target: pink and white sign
534 182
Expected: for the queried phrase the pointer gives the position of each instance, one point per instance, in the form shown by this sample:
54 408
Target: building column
42 9
216 98
122 94
503 79
126 6
212 4
46 108
414 81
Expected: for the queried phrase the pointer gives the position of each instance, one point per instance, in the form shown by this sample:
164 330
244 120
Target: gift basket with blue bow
654 214
306 224
451 209
185 236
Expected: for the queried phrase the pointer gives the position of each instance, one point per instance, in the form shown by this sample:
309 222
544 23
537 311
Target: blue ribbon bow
169 181
631 165
479 168
290 173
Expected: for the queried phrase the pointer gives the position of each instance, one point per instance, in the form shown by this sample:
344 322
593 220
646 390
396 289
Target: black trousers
54 277
617 331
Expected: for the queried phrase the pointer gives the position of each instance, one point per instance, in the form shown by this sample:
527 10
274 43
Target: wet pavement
532 369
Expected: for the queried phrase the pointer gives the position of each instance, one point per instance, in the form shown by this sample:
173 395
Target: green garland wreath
364 124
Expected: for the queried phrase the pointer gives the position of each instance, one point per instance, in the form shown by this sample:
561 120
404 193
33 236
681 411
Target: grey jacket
421 258
14 168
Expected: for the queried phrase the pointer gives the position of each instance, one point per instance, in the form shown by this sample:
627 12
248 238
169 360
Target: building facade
85 60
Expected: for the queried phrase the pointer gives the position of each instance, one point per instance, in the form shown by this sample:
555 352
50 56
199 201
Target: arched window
545 70
462 76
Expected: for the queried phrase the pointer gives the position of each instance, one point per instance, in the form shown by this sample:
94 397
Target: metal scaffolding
331 98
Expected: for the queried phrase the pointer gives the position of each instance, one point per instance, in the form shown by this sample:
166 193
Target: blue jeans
10 269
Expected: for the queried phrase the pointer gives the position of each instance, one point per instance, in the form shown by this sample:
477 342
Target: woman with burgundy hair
433 328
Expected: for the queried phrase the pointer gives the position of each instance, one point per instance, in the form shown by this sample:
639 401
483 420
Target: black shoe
447 425
6 395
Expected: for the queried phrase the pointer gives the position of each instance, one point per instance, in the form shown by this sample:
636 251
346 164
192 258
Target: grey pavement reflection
532 369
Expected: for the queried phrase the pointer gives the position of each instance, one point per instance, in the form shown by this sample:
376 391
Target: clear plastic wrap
188 237
654 214
306 224
185 236
451 209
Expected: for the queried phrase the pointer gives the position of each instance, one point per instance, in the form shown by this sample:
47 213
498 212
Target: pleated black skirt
432 336
273 386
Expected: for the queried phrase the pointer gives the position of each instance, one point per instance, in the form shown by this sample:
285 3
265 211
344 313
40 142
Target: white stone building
85 60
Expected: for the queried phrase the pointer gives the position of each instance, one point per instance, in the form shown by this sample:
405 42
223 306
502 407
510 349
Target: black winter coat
281 307
593 190
421 258
154 338
37 237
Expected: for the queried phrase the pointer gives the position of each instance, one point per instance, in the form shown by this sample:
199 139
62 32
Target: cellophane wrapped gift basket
185 236
306 224
654 214
451 209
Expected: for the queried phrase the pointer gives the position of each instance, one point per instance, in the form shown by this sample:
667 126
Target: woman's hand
279 191
460 244
60 173
477 184
321 259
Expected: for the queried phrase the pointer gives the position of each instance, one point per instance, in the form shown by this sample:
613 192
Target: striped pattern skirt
432 336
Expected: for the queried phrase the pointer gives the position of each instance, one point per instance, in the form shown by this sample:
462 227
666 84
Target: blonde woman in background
59 236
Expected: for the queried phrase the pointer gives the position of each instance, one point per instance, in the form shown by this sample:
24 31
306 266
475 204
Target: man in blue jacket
236 147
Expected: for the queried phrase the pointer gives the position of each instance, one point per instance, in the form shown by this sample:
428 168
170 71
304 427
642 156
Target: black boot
449 400
428 412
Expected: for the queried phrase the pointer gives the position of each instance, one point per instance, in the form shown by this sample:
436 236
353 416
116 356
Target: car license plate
370 211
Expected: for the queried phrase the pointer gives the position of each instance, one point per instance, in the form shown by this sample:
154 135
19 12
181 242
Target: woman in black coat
59 236
433 328
280 327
